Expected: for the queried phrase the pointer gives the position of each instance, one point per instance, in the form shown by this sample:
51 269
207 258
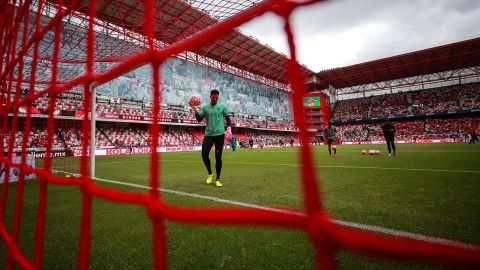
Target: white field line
198 196
371 228
299 165
366 227
371 146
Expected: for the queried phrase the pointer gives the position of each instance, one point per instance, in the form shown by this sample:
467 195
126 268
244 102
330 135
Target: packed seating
112 107
118 136
394 104
457 128
38 138
271 139
352 108
405 130
352 133
451 98
470 98
444 99
106 136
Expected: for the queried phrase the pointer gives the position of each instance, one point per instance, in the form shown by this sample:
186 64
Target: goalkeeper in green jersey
215 133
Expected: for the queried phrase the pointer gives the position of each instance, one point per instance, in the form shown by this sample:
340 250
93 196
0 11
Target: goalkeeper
214 133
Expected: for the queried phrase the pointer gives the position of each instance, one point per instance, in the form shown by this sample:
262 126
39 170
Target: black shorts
330 141
209 141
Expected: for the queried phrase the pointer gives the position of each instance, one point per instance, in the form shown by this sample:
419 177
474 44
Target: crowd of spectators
352 133
444 99
118 136
272 139
457 128
394 104
127 108
106 136
109 136
452 98
351 108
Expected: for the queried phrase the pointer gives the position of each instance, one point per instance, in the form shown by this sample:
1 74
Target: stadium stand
352 108
443 113
444 99
422 130
452 98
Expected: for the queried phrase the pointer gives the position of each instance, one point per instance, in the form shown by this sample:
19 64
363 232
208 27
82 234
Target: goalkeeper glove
228 133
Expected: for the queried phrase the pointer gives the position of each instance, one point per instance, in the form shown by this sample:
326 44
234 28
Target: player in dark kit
250 142
473 137
215 133
331 134
389 134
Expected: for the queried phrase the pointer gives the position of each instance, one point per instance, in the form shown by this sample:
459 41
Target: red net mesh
34 37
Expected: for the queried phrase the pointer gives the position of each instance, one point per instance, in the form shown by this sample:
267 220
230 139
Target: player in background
250 143
214 133
473 136
233 143
389 134
331 133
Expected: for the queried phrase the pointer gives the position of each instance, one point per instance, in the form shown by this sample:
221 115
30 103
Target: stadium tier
126 135
446 99
451 129
114 107
436 100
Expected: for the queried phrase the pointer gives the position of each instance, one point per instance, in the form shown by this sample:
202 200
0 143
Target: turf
430 189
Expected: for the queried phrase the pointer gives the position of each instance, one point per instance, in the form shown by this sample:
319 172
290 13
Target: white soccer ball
371 152
364 152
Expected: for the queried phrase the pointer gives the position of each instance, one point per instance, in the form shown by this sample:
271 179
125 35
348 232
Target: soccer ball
377 152
194 101
371 152
364 152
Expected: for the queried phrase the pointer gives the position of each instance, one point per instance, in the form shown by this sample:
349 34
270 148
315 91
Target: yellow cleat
209 179
218 183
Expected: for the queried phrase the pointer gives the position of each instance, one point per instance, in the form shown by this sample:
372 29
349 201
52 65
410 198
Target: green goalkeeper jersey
214 117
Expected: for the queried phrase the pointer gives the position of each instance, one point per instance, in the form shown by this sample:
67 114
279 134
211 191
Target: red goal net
36 70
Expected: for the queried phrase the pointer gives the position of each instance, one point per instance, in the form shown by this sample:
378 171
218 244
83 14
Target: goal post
92 132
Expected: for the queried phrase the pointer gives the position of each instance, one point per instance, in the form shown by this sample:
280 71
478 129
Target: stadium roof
176 20
452 56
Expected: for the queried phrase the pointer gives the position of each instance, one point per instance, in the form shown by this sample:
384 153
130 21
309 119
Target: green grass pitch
428 189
